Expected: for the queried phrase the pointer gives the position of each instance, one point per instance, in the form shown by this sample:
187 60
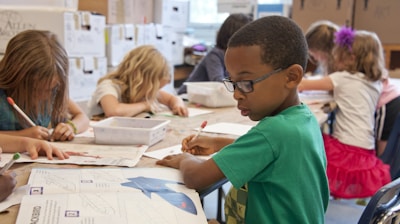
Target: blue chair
391 155
384 206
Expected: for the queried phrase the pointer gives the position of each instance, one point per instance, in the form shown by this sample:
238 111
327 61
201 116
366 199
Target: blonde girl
34 73
353 169
135 86
320 39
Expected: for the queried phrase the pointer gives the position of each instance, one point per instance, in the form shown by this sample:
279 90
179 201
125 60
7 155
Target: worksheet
227 128
88 154
109 195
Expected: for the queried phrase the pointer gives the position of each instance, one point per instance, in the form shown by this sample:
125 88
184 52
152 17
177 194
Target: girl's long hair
35 59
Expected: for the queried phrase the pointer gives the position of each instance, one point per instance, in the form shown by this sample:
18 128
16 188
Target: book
109 195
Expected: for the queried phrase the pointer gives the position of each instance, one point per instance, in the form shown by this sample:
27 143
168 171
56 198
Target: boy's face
269 96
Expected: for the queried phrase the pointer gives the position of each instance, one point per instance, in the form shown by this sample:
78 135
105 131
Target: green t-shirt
282 160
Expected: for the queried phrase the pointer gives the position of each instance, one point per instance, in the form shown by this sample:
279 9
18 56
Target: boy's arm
193 170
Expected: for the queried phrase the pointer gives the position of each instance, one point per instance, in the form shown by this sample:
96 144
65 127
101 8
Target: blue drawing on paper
158 186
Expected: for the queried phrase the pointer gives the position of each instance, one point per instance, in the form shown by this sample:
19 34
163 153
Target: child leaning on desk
320 38
353 170
34 73
281 159
34 147
135 87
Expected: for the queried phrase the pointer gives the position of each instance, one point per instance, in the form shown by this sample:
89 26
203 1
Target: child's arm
79 119
175 103
204 145
192 170
112 107
79 123
37 132
33 146
324 83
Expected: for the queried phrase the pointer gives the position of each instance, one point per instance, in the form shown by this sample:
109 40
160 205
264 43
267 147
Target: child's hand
38 147
180 110
173 161
37 132
198 146
7 184
63 132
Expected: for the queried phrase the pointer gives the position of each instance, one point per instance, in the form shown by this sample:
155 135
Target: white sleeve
106 87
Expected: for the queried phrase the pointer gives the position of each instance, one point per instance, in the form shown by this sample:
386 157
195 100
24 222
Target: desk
177 129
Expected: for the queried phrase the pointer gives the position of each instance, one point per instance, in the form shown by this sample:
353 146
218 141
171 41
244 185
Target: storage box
304 13
84 72
379 17
120 39
130 131
209 94
81 33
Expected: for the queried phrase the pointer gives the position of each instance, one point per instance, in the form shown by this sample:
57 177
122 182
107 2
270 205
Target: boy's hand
198 146
7 184
173 161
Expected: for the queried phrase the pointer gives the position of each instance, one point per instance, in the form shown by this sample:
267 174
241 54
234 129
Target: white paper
192 112
15 198
115 155
173 150
315 96
227 128
110 195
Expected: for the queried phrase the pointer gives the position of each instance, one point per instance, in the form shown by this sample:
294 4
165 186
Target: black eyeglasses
246 86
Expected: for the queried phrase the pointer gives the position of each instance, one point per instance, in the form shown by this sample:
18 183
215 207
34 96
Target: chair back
391 155
384 206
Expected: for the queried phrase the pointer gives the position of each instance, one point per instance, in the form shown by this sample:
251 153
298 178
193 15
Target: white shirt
106 87
357 99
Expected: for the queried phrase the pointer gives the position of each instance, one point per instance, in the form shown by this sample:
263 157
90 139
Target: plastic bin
209 94
130 131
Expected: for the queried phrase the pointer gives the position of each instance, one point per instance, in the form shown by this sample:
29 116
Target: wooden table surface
177 129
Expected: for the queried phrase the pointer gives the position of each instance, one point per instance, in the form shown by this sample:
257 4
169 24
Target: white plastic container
209 94
130 131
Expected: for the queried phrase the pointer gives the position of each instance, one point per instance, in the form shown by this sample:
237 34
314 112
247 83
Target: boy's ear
294 75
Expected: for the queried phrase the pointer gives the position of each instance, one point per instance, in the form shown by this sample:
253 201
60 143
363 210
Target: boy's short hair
281 40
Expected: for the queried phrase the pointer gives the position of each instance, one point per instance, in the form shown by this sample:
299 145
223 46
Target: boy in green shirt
281 159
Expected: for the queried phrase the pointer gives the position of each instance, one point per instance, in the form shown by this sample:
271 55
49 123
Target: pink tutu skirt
353 172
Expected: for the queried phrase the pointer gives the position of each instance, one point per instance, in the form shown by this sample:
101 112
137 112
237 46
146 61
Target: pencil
16 107
203 125
10 163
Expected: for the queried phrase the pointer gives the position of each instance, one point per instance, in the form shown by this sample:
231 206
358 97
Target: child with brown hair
135 86
212 67
266 61
34 73
353 170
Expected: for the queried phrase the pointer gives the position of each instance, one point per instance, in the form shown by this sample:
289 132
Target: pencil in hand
10 163
16 107
203 125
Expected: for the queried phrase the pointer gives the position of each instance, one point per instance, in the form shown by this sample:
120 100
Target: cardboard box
81 32
130 131
306 12
120 39
380 17
209 94
84 72
113 10
121 11
139 11
66 4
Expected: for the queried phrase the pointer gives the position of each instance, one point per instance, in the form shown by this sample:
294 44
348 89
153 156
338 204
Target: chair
384 206
221 195
391 155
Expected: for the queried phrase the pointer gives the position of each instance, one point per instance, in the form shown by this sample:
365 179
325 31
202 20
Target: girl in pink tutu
353 169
